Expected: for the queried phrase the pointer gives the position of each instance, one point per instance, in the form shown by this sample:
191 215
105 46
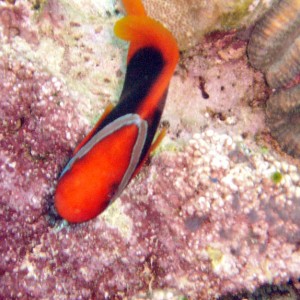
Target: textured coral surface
216 210
274 48
189 20
274 44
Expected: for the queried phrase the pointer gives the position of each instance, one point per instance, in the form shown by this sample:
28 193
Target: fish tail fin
134 7
143 31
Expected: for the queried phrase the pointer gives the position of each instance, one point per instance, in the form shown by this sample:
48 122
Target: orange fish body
105 161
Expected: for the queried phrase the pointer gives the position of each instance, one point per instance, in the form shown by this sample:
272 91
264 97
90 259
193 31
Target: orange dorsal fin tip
134 7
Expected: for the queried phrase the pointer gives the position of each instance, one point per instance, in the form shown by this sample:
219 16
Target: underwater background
215 214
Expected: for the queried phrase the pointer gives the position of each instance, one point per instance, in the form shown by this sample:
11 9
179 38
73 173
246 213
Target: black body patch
143 69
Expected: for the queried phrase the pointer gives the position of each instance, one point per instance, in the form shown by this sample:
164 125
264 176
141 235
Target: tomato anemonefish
112 153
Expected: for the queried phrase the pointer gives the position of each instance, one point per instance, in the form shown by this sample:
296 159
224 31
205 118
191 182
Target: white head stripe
129 119
135 156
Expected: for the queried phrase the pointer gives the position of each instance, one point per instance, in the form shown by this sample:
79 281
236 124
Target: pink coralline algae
33 106
14 24
31 110
193 227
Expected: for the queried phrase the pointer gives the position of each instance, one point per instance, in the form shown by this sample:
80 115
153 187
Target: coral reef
283 117
268 292
195 226
204 219
216 85
274 48
198 17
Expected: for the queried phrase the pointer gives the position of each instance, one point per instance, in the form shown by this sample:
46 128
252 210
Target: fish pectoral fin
106 112
158 140
152 148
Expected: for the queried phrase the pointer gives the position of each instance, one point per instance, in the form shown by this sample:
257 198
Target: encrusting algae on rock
199 222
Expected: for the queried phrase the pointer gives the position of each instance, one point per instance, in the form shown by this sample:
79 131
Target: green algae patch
38 5
233 18
277 177
264 150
